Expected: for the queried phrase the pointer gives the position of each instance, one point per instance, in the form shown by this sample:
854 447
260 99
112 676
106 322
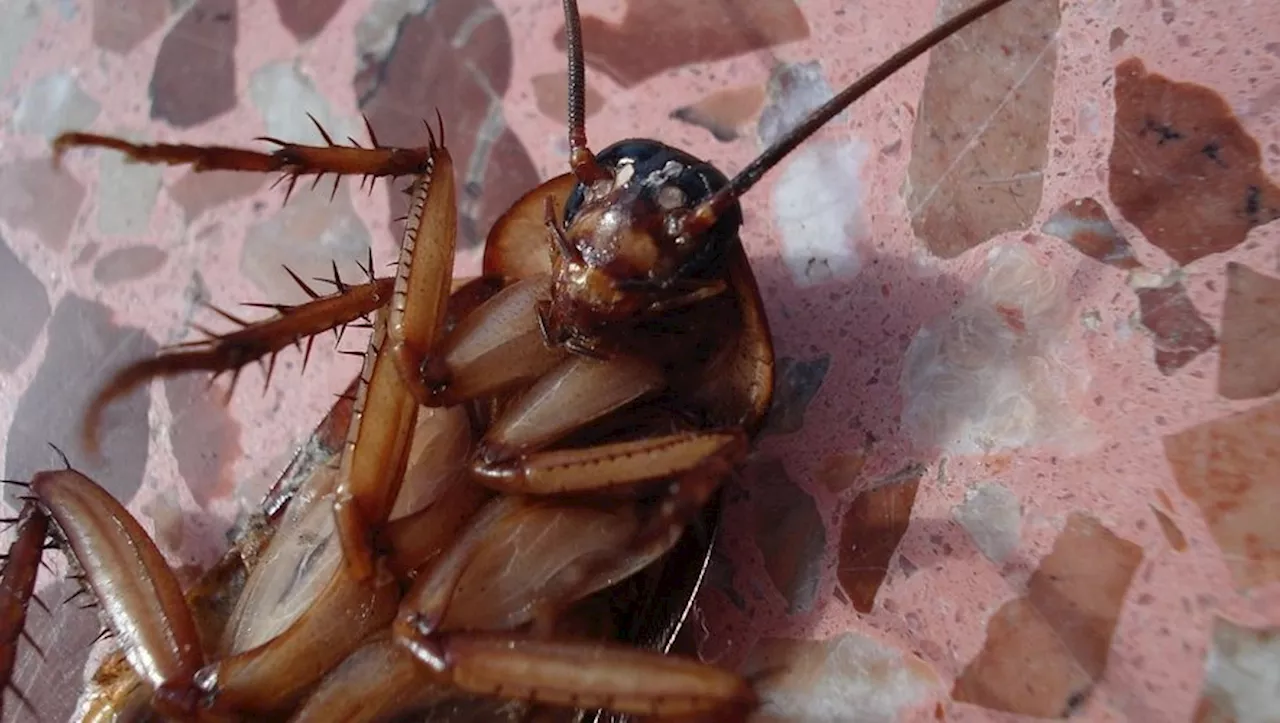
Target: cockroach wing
300 616
736 387
290 574
525 558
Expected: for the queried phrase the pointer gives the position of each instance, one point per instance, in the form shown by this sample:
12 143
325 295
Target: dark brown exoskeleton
518 449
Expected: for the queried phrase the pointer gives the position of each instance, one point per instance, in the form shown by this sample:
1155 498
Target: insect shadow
841 345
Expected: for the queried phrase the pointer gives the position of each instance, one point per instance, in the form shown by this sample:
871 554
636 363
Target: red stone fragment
1183 169
1084 224
1180 333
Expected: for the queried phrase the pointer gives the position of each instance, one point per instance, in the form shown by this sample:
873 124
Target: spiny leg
594 675
292 159
614 467
689 467
141 600
386 403
253 342
17 585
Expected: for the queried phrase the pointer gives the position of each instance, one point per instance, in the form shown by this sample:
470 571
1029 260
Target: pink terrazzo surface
998 402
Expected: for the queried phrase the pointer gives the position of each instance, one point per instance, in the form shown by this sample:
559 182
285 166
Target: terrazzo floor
1025 297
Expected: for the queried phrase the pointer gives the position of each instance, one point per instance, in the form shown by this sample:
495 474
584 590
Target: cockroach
519 447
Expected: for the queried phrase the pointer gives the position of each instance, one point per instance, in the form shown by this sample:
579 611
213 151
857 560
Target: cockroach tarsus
522 452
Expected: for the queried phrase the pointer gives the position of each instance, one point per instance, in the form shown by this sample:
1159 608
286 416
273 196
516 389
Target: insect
518 448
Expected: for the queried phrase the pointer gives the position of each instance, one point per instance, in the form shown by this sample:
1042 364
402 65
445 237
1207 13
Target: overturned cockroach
520 447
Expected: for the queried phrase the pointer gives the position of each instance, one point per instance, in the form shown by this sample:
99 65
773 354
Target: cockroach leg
577 392
617 466
376 682
17 584
424 271
563 551
253 342
377 449
376 454
141 601
495 349
592 675
292 159
424 606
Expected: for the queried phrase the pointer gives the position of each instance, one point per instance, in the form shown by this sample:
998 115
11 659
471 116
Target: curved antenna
706 214
581 159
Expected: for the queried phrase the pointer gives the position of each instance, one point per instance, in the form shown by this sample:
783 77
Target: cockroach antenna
587 170
706 214
581 159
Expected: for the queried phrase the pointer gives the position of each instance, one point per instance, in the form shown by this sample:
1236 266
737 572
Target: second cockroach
484 528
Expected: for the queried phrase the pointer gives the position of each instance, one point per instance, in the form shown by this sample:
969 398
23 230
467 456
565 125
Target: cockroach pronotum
520 447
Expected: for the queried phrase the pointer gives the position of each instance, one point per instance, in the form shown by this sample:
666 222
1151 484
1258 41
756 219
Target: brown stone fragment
724 113
194 79
981 138
1045 650
1249 358
1169 528
128 264
551 91
119 27
655 36
789 533
198 192
1183 169
306 18
454 56
1227 467
796 383
870 533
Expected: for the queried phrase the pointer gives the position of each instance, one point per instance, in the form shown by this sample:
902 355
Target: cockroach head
625 250
647 227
